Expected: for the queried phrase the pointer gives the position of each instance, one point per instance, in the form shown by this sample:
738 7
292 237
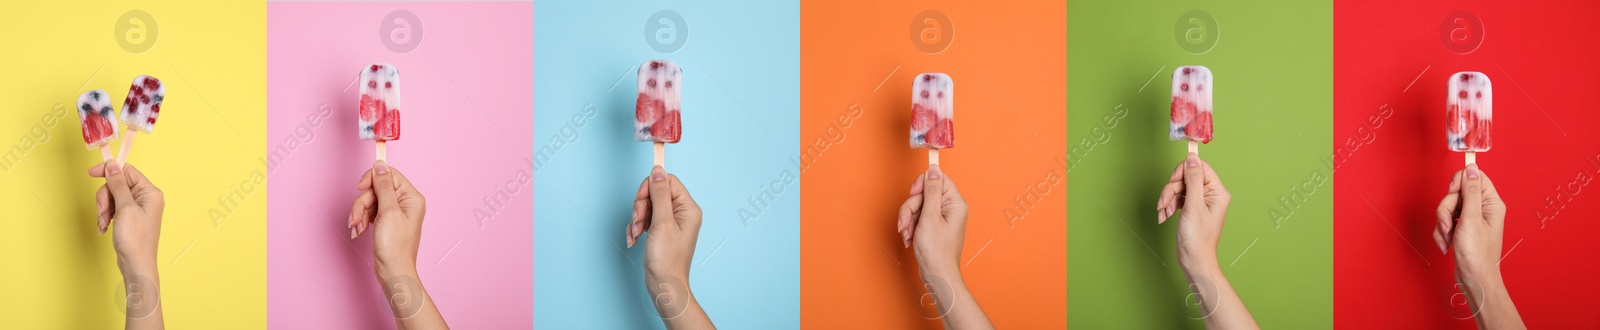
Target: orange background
1009 68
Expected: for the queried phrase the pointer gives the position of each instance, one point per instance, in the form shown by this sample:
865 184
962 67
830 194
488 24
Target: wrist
388 269
1199 263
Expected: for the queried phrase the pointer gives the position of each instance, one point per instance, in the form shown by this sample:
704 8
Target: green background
1273 70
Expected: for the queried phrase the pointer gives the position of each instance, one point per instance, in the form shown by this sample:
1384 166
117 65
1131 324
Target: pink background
467 134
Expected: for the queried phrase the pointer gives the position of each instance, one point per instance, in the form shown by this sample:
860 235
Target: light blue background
741 76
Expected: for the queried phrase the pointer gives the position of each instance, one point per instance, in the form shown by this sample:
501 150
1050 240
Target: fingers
660 199
383 185
953 202
117 183
1493 208
1193 183
1170 199
907 223
641 214
362 213
932 195
366 181
102 202
98 170
1472 196
682 201
1446 214
916 186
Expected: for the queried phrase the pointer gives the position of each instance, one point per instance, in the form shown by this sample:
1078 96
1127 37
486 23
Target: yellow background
55 270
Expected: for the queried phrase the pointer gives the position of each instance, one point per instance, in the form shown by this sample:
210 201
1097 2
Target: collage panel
461 156
1403 126
1141 77
878 86
606 88
200 211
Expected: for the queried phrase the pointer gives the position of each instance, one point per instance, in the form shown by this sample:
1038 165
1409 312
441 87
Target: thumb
1194 187
660 199
932 194
1472 197
117 183
383 186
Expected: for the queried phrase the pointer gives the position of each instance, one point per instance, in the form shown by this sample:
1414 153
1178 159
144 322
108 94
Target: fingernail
658 174
381 168
111 167
352 232
1194 160
1472 171
933 173
1441 248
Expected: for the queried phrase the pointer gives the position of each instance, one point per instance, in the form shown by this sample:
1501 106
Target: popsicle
1469 110
141 108
933 113
1191 106
99 122
655 116
380 105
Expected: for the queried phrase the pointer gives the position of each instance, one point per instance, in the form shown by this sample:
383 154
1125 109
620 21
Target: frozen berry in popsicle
1191 104
656 117
933 111
1469 112
379 117
143 104
99 122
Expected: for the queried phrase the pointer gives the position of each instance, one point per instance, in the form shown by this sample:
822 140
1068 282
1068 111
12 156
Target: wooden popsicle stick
1194 147
661 154
933 156
383 153
127 143
1472 157
105 153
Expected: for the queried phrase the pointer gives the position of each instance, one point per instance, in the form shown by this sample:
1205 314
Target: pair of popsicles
1468 110
139 112
379 117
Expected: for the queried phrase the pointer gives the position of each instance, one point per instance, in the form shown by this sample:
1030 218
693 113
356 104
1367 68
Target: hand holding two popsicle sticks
1472 219
130 206
1195 188
664 208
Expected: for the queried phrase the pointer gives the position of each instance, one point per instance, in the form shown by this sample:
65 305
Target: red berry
670 129
1480 95
151 83
924 94
156 108
1465 77
654 65
1183 87
1202 125
374 68
372 84
943 134
144 99
370 109
921 117
1452 115
1462 94
941 95
669 84
1182 111
651 83
643 110
391 123
388 84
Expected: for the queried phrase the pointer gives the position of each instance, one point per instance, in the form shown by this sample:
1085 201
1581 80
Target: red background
1541 59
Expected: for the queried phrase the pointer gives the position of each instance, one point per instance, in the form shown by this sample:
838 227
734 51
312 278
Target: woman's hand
131 206
1195 188
1472 219
664 208
392 208
934 219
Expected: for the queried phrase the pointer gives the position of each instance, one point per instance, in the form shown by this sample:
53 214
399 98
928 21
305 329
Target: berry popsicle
379 117
1191 106
1469 110
933 113
655 116
140 109
99 122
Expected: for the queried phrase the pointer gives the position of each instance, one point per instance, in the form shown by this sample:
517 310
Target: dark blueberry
94 95
159 98
87 108
106 111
